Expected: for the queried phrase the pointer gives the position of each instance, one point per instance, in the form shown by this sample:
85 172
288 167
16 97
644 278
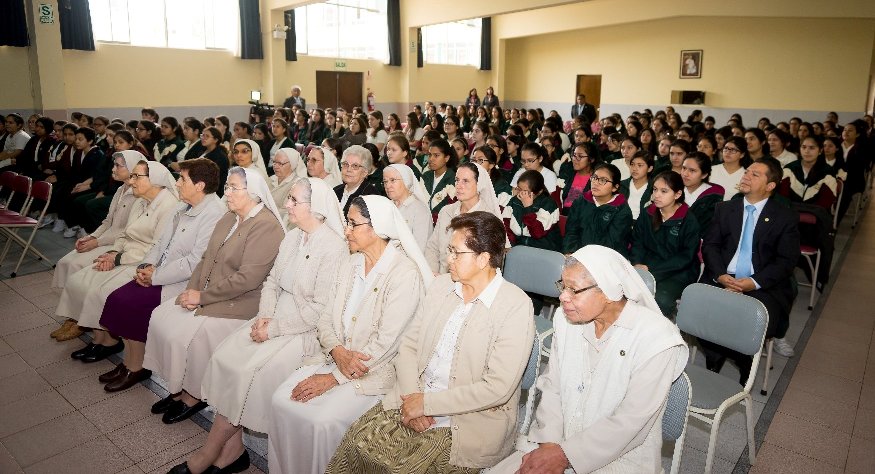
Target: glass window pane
101 24
301 30
185 24
222 22
119 18
455 43
148 27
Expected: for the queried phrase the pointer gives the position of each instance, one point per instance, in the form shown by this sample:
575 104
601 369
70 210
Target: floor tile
119 411
773 459
23 321
821 342
40 408
7 462
861 456
693 460
837 364
22 386
33 293
14 305
31 279
68 370
731 439
11 364
150 436
48 303
31 338
864 424
173 455
845 331
53 351
132 470
98 456
819 410
85 392
796 435
50 438
825 385
5 348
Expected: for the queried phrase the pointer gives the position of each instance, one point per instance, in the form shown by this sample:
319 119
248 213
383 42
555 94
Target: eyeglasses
294 201
387 182
453 253
351 166
579 157
601 180
480 161
562 288
727 149
135 176
529 161
280 163
229 188
353 225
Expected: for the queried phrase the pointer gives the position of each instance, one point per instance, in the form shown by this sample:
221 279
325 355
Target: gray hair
307 189
363 153
241 173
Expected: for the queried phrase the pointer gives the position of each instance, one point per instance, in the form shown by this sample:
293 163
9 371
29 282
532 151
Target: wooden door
339 89
590 85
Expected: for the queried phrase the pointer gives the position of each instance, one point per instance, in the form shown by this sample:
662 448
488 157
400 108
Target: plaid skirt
379 443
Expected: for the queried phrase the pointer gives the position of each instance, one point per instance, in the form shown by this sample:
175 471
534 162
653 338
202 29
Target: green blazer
566 174
704 206
435 204
626 184
609 225
670 251
540 221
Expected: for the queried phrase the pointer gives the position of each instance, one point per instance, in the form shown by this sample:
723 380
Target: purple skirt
128 310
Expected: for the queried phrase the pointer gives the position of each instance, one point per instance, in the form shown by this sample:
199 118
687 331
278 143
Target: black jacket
365 189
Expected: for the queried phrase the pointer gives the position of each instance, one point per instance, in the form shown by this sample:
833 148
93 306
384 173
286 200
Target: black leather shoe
179 411
183 469
113 374
239 465
82 352
162 405
127 380
101 352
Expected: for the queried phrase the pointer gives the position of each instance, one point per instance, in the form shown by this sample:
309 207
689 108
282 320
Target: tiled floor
56 418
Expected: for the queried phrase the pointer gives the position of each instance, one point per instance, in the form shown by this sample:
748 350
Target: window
184 24
457 43
352 29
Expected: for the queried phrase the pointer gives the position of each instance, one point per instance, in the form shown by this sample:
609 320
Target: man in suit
587 111
752 247
295 99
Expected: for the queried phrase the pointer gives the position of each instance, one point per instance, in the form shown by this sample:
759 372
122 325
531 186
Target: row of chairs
22 191
729 319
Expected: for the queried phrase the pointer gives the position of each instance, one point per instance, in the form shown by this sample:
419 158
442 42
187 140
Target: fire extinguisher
372 103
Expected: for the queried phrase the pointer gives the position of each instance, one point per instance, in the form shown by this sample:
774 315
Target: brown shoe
72 333
113 374
64 328
127 380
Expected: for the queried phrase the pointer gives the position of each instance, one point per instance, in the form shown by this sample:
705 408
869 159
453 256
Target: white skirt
86 291
242 375
179 345
73 262
303 436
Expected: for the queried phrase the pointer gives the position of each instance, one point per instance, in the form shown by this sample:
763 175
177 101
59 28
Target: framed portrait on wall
691 64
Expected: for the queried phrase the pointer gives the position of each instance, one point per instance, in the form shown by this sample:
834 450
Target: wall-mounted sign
340 65
46 13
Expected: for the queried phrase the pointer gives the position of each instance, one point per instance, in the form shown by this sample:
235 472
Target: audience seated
699 193
535 157
809 180
287 167
637 188
410 197
574 174
322 164
355 167
487 158
532 216
600 216
441 174
728 173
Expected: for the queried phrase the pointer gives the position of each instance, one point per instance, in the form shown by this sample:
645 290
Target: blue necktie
743 268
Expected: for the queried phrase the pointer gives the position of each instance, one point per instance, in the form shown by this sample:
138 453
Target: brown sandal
64 328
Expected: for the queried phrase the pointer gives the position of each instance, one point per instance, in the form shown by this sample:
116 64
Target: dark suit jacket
775 246
588 112
290 101
365 189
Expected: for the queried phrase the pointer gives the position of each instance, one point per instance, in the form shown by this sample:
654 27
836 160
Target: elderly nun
411 198
322 164
378 290
613 360
287 167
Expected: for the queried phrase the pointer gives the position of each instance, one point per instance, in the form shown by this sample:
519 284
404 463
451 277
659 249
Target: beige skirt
303 436
73 262
242 375
179 345
86 291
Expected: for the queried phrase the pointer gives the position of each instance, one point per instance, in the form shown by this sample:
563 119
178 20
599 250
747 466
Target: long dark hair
674 182
492 157
447 149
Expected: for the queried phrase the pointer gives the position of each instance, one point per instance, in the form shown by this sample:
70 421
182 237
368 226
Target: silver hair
363 153
241 173
304 185
570 261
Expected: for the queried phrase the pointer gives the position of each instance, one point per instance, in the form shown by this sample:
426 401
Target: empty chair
41 191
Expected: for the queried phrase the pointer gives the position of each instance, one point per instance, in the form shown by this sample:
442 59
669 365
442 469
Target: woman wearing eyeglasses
223 292
287 167
247 154
487 157
378 290
601 216
86 290
535 158
322 164
249 365
574 174
410 196
357 164
735 160
211 140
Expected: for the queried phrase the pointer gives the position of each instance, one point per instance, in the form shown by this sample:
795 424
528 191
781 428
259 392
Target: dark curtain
13 24
393 16
486 45
419 55
291 36
250 30
75 19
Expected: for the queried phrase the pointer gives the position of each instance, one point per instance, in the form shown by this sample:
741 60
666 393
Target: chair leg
751 446
765 389
814 270
9 236
24 251
712 442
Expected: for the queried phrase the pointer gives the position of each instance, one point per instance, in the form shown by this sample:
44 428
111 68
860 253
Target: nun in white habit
250 364
378 290
409 194
222 294
613 360
322 164
287 166
247 154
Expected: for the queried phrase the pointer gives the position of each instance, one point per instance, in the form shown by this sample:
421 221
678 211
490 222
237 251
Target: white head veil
257 159
615 276
388 222
413 185
131 157
324 201
299 167
331 165
159 175
257 187
488 201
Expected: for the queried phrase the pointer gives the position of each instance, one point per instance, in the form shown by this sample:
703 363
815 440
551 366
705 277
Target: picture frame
691 64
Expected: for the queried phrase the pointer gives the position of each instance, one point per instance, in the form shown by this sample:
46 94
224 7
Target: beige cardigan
117 218
386 311
484 388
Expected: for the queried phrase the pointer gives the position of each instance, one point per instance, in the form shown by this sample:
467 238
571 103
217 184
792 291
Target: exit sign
340 64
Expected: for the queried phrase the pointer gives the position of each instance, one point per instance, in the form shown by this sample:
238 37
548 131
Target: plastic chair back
6 179
531 373
648 279
723 317
21 184
534 270
674 421
42 190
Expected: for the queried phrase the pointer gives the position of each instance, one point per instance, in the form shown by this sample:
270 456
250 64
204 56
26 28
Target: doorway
590 85
339 89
